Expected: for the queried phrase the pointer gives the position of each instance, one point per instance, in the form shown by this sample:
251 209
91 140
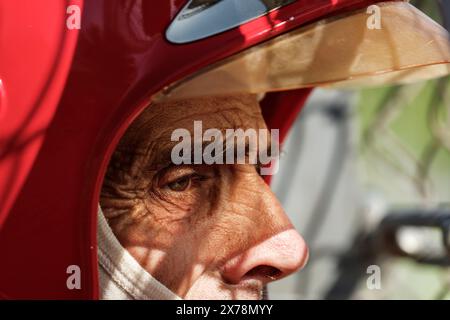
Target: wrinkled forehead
159 120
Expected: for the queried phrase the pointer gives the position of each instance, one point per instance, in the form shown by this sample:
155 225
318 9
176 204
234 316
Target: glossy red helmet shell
67 96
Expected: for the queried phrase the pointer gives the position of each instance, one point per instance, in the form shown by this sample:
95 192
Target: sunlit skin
204 231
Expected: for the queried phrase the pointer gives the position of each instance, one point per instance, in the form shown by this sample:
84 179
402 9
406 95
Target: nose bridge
272 211
285 248
278 245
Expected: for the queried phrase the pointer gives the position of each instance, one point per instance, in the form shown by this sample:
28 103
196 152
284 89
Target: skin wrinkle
186 238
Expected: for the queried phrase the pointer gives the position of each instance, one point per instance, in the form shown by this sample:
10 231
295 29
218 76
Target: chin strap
120 275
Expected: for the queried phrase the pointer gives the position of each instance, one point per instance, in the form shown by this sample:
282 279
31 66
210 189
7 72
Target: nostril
272 259
265 273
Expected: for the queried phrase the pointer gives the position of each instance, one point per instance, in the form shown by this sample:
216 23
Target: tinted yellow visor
345 51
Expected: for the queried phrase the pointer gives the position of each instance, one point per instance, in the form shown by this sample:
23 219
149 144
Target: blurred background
365 177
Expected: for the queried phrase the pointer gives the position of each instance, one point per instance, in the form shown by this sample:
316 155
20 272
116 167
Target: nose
272 259
276 255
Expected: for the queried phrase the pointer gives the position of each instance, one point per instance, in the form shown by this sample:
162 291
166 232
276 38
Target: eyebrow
163 157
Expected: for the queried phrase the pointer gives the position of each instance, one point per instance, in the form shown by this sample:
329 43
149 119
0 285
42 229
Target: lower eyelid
193 177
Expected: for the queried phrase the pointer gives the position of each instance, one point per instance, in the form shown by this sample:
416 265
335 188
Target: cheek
183 208
174 266
225 238
175 221
233 228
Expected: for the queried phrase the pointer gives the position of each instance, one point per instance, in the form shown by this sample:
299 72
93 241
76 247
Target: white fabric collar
120 275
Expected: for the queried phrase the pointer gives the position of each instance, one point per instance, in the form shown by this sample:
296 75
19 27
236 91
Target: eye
180 184
182 178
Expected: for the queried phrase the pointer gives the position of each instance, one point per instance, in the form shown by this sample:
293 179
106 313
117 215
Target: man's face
204 231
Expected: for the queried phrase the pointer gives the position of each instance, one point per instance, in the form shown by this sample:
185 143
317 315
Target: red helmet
67 95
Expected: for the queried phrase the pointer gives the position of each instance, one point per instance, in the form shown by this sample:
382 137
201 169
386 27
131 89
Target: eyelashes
180 185
182 178
185 183
179 179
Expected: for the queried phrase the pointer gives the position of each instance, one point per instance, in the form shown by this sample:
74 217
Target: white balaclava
121 277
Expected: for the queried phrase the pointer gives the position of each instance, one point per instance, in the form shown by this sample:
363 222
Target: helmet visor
344 51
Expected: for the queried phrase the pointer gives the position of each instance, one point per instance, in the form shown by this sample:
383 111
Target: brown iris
180 184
